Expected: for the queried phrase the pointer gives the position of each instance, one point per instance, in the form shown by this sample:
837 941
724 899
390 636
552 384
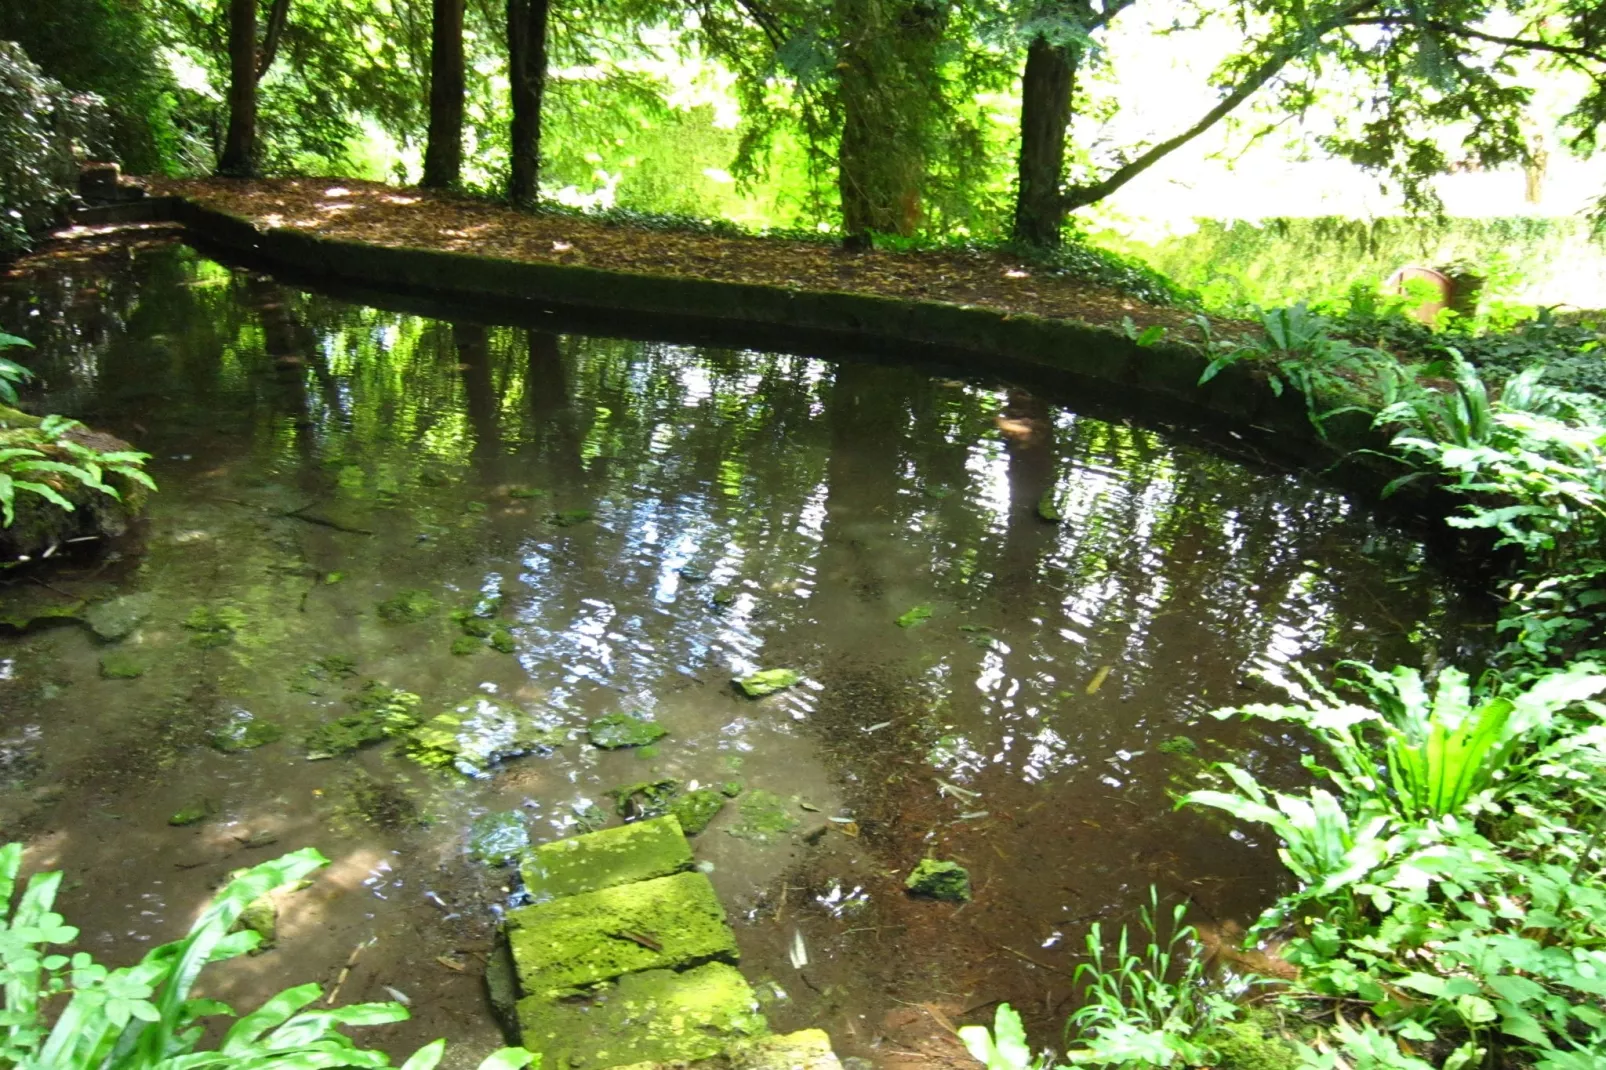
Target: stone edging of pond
1237 409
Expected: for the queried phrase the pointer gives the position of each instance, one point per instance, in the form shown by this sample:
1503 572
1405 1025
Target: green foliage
1005 1047
1148 1007
45 129
143 1017
44 460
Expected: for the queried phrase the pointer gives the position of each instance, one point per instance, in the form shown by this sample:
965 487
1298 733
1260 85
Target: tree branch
277 17
1526 44
1084 195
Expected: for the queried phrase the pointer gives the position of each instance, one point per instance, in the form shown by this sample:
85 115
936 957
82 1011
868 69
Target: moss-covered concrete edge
1238 402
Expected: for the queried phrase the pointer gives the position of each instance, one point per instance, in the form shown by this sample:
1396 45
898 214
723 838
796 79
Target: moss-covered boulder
407 607
606 859
378 712
116 618
657 1016
585 939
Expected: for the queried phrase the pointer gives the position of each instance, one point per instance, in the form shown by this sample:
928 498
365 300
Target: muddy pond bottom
1008 622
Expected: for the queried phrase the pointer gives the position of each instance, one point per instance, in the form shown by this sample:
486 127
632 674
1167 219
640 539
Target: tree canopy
884 120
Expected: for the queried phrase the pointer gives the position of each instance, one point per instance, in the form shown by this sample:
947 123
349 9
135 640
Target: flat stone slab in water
115 619
657 1016
605 859
598 936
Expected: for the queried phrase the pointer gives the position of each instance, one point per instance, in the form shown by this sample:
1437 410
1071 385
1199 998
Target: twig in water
345 971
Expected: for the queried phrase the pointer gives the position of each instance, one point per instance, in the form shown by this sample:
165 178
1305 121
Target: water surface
658 518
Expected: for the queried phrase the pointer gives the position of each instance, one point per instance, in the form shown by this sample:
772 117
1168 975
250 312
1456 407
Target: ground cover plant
64 1011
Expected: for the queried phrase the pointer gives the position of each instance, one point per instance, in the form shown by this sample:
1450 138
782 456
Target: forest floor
390 216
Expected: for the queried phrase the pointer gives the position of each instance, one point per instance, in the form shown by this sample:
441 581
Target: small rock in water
245 732
649 798
497 838
940 880
616 730
408 607
116 665
115 619
768 681
193 814
915 617
696 809
764 817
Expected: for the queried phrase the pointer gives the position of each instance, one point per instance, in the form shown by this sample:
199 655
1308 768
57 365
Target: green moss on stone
478 627
192 814
616 730
245 731
379 711
647 798
261 917
502 641
498 838
213 626
764 817
659 1016
464 645
407 607
477 733
807 1049
767 682
1179 745
597 936
940 880
116 665
606 859
696 809
568 518
378 802
1252 1044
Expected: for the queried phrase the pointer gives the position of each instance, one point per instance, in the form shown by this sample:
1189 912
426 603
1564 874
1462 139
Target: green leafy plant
29 456
142 1017
1005 1047
1148 1006
12 373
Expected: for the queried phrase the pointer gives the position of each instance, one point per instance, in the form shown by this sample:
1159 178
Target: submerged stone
940 880
502 641
1178 745
464 645
213 626
768 681
193 814
597 936
647 798
380 712
568 518
477 733
498 838
914 617
116 619
478 627
696 809
658 1016
807 1049
378 802
764 817
33 609
245 731
606 859
616 730
116 665
407 607
261 917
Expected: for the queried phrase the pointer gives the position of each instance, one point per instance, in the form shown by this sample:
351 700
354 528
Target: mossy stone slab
586 939
658 1016
605 859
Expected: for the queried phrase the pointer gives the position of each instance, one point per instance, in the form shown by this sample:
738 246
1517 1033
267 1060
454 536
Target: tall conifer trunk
443 153
526 53
1046 89
239 144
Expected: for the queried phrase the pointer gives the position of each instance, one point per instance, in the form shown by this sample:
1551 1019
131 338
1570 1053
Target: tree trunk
1046 88
526 62
890 93
278 15
239 144
443 153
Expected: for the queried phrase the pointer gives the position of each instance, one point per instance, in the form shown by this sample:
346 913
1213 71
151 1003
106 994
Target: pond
635 524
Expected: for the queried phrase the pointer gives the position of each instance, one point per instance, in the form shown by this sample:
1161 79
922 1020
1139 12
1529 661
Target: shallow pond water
654 519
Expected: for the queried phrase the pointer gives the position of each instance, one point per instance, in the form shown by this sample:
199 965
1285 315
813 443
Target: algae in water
768 681
763 817
407 607
696 809
213 626
615 730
